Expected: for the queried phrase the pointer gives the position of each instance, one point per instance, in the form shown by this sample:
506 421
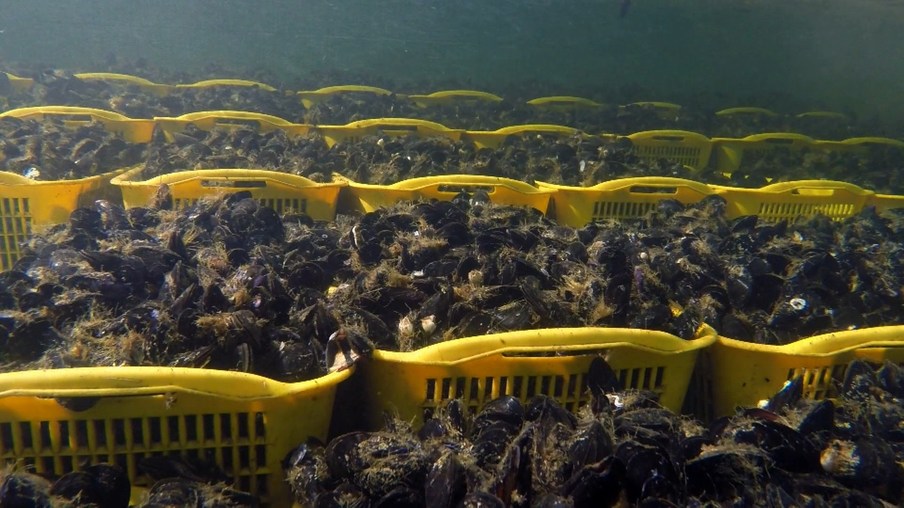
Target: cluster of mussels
578 160
878 168
230 284
468 268
61 88
176 482
623 449
220 148
47 150
218 285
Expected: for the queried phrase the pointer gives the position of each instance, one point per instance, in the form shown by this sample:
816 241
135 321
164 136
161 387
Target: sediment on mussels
623 449
385 160
229 284
577 160
47 150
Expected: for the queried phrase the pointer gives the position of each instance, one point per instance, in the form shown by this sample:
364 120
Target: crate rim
126 179
467 349
423 182
826 344
9 179
142 380
624 183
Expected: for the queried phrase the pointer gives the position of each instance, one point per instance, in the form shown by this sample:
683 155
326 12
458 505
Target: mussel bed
617 111
623 449
228 283
47 150
620 449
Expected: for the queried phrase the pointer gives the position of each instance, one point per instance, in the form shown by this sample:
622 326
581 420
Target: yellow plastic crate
887 202
128 80
452 97
730 152
131 130
624 198
552 362
26 205
19 84
226 119
743 111
281 191
493 139
505 191
56 421
210 83
860 145
683 147
333 134
564 102
743 373
789 200
309 98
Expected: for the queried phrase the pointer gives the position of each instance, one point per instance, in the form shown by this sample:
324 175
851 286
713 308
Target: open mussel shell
345 348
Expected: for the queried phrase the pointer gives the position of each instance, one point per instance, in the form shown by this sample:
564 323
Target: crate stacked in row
572 206
61 420
343 103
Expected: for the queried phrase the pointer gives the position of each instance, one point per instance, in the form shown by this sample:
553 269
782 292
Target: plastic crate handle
746 110
552 340
210 119
69 111
635 185
668 135
535 129
113 76
874 141
464 181
816 188
780 138
459 94
93 382
563 100
411 124
233 178
346 88
228 82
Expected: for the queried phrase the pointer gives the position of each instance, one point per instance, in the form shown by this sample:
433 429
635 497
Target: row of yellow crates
60 420
691 149
309 98
27 205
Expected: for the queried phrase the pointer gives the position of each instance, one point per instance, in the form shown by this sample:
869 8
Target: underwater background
795 55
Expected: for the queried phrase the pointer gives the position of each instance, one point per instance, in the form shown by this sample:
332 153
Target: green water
794 54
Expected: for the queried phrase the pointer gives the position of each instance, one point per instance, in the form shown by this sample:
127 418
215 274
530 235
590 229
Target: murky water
792 54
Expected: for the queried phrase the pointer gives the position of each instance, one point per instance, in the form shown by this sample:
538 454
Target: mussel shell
505 409
402 497
78 484
175 492
590 444
598 484
445 485
786 447
343 455
819 417
24 490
